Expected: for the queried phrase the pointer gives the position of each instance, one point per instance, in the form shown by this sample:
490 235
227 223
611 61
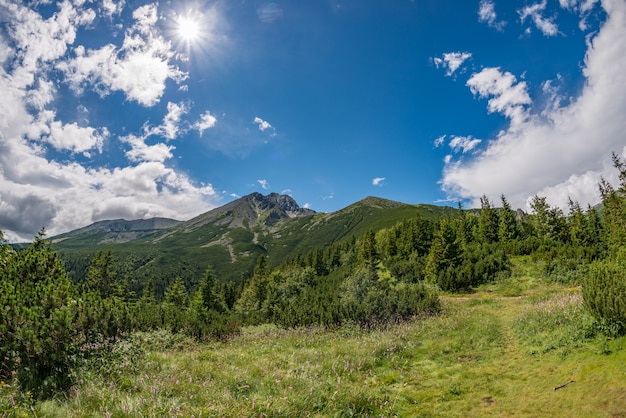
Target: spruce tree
487 222
101 275
508 230
176 293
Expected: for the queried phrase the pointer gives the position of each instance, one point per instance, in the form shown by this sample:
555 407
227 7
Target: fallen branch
563 385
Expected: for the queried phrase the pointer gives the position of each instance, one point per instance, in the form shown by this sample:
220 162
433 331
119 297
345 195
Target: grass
495 352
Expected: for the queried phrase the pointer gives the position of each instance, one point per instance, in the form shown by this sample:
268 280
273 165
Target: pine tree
547 222
368 253
445 252
614 202
577 223
37 328
508 230
593 230
176 294
211 299
101 274
487 222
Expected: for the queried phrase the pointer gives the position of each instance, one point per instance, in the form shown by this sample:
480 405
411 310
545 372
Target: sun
188 29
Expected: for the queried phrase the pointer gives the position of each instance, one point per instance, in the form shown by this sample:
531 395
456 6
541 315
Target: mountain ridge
229 238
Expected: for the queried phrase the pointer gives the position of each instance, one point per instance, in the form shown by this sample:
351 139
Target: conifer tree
211 298
445 252
593 230
577 223
367 249
487 221
614 214
508 230
37 327
463 232
101 274
547 222
176 293
255 291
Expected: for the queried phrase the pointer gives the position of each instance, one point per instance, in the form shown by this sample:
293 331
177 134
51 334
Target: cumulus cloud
139 68
39 40
40 188
207 121
487 14
535 13
508 96
140 151
560 152
70 136
170 127
111 8
451 61
378 181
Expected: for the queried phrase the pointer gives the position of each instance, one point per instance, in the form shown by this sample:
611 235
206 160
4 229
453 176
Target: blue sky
136 109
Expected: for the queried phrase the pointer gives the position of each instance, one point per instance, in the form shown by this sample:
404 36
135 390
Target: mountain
229 238
112 232
250 211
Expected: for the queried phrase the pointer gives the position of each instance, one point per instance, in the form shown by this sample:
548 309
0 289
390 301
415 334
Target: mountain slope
113 232
229 238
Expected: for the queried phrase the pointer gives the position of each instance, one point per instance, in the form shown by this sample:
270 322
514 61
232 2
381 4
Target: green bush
604 292
39 339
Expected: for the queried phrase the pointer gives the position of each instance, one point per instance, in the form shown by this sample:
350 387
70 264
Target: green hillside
229 238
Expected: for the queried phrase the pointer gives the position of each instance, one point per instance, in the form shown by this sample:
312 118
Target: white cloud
111 8
263 125
69 136
439 141
452 61
139 68
42 41
463 143
564 150
37 191
583 7
534 11
169 129
140 151
207 121
487 14
378 181
264 184
507 95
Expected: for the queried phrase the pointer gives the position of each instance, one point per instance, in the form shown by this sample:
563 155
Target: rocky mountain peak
279 205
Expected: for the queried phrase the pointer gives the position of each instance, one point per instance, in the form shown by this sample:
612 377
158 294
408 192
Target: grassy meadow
502 351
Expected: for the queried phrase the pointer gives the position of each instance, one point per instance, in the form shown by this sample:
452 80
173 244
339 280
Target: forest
54 328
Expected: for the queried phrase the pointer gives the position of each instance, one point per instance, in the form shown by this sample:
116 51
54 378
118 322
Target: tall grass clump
559 322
